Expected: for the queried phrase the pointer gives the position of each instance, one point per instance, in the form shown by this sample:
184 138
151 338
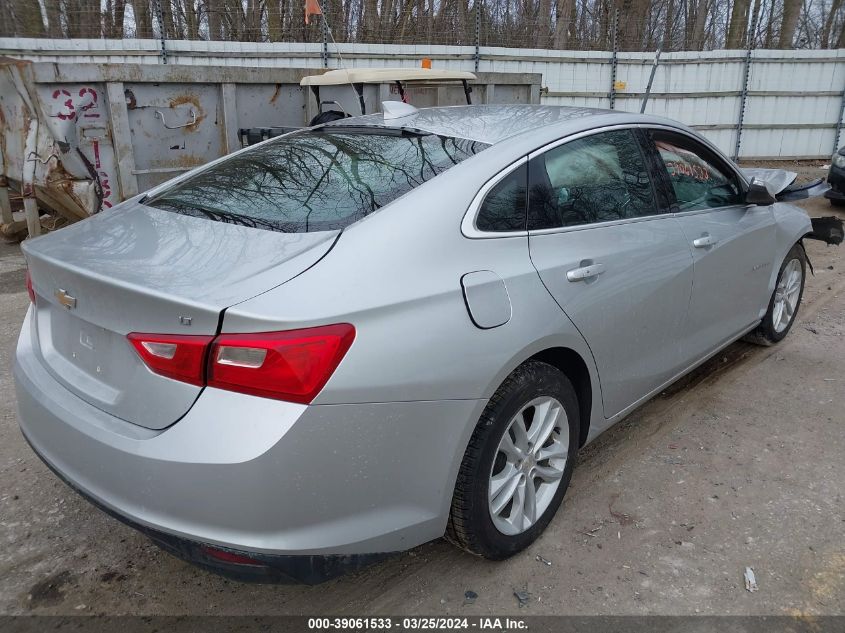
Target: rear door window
598 178
317 180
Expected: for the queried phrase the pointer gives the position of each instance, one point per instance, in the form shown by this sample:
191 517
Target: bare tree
142 10
789 20
27 13
559 24
738 25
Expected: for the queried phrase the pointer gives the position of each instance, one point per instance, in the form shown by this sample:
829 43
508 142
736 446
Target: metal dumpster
79 138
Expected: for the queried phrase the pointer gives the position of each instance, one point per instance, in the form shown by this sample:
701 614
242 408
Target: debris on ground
470 596
523 597
591 533
622 518
811 329
750 580
545 561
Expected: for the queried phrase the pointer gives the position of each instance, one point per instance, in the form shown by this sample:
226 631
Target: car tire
534 392
775 324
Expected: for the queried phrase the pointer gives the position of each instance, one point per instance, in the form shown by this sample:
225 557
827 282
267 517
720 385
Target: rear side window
503 208
597 178
315 181
697 180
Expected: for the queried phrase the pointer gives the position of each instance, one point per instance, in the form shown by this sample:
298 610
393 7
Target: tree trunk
72 18
702 10
215 22
668 31
83 18
566 20
143 18
192 27
115 20
252 21
169 26
29 18
385 28
7 28
789 20
738 24
632 14
54 19
370 20
274 20
233 26
770 26
828 23
543 34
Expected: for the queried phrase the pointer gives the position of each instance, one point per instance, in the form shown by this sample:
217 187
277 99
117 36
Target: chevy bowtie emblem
65 299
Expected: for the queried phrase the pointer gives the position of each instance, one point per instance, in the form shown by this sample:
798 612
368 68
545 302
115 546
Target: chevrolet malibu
358 337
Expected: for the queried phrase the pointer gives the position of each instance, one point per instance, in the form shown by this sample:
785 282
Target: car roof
494 123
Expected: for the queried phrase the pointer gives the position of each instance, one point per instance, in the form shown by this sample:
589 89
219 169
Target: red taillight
229 557
29 287
176 356
292 365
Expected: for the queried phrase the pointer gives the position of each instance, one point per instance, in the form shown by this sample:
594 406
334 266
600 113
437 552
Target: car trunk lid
140 269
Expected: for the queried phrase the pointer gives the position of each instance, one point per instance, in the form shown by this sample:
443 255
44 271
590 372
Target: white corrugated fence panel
793 103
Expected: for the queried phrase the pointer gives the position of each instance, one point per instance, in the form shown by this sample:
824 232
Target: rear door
618 267
731 242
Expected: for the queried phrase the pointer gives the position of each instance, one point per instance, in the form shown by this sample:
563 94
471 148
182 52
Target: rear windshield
316 180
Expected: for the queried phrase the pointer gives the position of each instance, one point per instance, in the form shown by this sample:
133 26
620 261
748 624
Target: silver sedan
356 338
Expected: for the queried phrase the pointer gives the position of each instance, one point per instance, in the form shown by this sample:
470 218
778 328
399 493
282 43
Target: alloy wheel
786 295
528 465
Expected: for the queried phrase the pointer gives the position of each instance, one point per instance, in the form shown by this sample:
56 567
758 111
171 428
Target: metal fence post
839 124
161 32
614 58
743 96
477 33
325 9
650 80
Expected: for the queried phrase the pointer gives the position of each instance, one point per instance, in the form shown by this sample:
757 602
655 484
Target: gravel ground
738 465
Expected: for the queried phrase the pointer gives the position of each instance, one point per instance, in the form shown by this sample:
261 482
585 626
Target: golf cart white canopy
357 77
344 76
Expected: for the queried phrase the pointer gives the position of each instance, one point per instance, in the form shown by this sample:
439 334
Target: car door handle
585 272
704 241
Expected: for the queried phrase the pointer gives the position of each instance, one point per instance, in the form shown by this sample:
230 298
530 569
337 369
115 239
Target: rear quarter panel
396 276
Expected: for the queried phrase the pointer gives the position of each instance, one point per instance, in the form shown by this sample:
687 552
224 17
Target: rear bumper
267 568
262 477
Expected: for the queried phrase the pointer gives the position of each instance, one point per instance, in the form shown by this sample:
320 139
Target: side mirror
759 193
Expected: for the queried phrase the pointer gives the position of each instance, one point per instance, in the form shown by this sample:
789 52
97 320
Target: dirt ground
743 464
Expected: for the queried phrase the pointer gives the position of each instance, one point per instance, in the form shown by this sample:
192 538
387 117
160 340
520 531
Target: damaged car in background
355 338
